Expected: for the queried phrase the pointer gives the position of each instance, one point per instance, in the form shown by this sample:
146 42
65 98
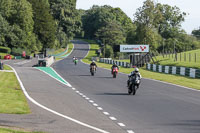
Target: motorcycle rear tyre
92 73
114 75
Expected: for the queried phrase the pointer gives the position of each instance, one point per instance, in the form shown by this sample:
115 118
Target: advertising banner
134 48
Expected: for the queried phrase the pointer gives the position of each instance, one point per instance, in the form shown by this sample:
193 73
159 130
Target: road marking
52 111
65 82
130 131
121 124
87 98
95 104
113 118
74 89
22 62
91 101
106 113
61 77
99 108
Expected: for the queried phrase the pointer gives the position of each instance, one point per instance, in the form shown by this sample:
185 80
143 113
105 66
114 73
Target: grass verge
184 59
175 79
8 130
70 47
6 67
12 99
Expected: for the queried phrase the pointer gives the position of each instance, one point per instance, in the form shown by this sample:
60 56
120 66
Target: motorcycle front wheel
133 89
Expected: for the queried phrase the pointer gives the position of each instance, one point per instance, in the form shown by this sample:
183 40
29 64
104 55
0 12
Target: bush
18 51
5 50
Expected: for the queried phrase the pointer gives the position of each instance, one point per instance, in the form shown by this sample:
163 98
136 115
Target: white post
160 68
182 71
166 69
192 72
154 67
173 70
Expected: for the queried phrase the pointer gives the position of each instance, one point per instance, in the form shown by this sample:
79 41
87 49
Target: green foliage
68 20
18 51
196 33
112 33
5 50
44 27
16 25
97 17
108 52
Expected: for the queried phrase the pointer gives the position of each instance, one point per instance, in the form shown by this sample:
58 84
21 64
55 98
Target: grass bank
175 79
70 47
185 59
9 130
12 99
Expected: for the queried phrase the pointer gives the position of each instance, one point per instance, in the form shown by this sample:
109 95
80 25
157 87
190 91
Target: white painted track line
52 111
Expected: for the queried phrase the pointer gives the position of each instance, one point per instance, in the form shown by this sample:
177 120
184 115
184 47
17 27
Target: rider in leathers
136 71
113 66
93 64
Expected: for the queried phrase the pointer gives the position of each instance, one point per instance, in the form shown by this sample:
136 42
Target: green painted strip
49 71
64 55
60 54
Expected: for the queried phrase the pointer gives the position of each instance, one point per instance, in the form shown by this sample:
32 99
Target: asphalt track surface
156 108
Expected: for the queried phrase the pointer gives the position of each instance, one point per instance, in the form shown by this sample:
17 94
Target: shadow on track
112 94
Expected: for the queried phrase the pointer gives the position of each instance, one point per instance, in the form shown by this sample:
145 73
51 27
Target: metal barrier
184 71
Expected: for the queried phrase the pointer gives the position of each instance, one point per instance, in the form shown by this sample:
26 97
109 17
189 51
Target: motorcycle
92 70
115 72
75 61
133 84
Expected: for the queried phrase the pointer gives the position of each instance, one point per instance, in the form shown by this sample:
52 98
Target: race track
156 108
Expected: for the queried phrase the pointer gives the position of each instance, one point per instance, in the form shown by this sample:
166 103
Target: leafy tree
170 24
111 34
18 14
97 17
196 33
68 19
44 27
147 18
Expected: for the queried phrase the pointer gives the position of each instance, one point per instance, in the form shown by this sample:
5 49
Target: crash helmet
93 61
136 69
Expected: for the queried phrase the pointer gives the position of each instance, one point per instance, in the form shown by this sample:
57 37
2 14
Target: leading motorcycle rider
93 64
133 73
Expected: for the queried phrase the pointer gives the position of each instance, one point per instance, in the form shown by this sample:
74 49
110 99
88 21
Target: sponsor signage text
134 48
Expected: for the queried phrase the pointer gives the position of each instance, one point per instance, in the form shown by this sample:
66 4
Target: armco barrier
110 61
184 71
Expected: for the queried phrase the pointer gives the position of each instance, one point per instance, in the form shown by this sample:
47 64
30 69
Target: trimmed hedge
5 50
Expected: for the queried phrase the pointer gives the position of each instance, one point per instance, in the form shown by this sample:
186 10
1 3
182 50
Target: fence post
189 57
185 57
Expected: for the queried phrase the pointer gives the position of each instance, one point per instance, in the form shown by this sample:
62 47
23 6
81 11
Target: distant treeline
158 25
35 25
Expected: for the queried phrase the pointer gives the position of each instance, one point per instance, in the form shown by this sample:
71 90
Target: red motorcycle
115 72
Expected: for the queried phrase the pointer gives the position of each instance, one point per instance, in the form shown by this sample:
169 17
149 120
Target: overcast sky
191 7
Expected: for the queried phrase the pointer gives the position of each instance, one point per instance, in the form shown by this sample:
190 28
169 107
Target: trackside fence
110 61
184 71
